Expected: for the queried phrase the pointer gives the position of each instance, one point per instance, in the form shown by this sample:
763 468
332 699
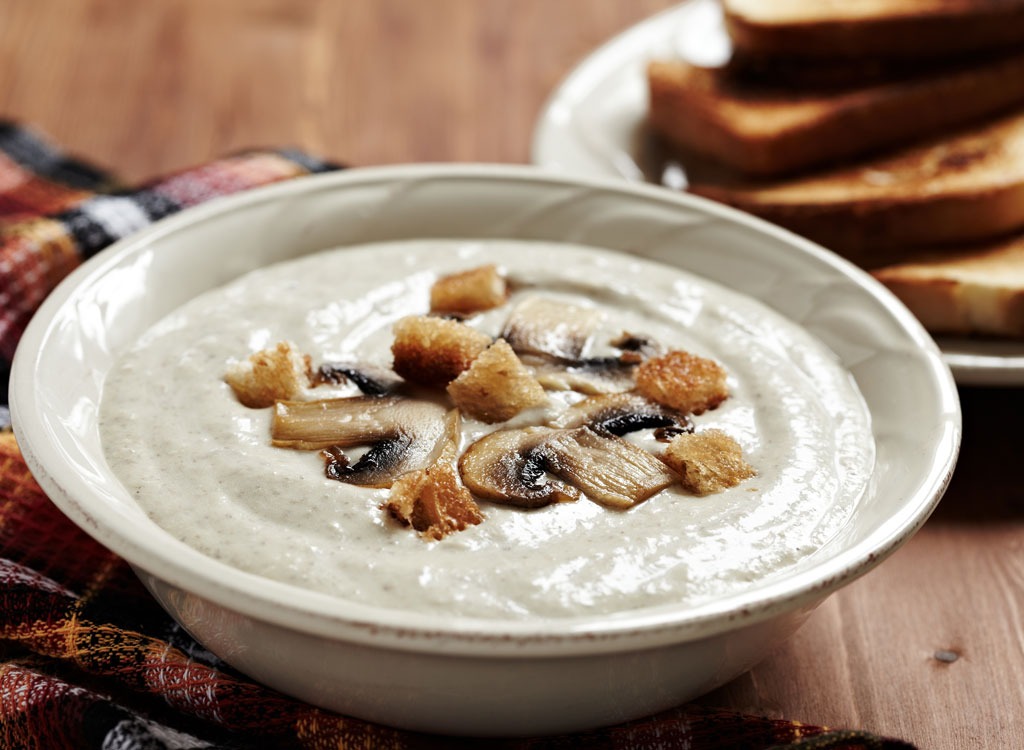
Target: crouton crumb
707 462
683 381
433 501
468 292
496 386
269 375
433 351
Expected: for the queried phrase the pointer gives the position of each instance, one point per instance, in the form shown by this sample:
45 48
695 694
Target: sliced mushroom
621 413
639 345
595 375
378 467
512 466
403 434
610 471
591 376
370 381
520 467
538 325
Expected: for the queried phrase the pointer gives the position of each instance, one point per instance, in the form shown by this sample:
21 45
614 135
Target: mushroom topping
403 434
595 375
512 466
337 373
610 471
433 500
621 413
640 346
544 326
522 467
591 376
468 292
412 447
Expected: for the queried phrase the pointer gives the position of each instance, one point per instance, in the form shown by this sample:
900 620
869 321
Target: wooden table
929 647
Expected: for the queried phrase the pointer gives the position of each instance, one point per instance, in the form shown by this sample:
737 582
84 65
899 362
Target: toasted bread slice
979 290
893 29
770 131
965 188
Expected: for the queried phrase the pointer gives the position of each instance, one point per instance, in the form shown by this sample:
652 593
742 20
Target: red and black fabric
56 211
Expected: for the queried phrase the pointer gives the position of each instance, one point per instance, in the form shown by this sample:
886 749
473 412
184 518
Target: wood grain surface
929 647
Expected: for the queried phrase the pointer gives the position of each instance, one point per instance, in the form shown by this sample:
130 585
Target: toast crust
767 132
964 188
888 29
979 290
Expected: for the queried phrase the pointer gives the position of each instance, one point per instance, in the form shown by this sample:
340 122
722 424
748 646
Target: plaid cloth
87 657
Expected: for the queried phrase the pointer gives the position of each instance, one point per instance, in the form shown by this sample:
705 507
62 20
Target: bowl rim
324 615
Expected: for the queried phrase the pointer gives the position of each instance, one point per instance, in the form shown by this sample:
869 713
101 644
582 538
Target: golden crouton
433 351
269 375
468 292
683 381
708 461
497 386
433 500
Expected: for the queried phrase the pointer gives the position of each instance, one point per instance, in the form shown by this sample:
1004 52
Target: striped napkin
87 658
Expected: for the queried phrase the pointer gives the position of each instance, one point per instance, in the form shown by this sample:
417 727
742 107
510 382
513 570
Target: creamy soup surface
202 466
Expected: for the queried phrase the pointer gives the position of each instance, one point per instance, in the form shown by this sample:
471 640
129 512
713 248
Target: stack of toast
890 131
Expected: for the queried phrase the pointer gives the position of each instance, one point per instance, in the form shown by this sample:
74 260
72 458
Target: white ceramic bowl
458 675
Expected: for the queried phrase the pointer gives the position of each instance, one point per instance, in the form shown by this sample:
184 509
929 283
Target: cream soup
202 466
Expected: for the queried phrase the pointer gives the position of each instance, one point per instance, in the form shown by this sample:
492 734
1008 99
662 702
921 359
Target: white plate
593 126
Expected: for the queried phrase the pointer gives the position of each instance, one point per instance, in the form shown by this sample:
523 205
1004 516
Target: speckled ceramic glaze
459 675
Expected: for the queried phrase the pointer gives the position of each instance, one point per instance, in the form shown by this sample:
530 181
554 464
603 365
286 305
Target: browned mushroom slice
538 325
610 471
512 466
639 346
595 375
590 376
621 413
432 500
369 380
403 434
